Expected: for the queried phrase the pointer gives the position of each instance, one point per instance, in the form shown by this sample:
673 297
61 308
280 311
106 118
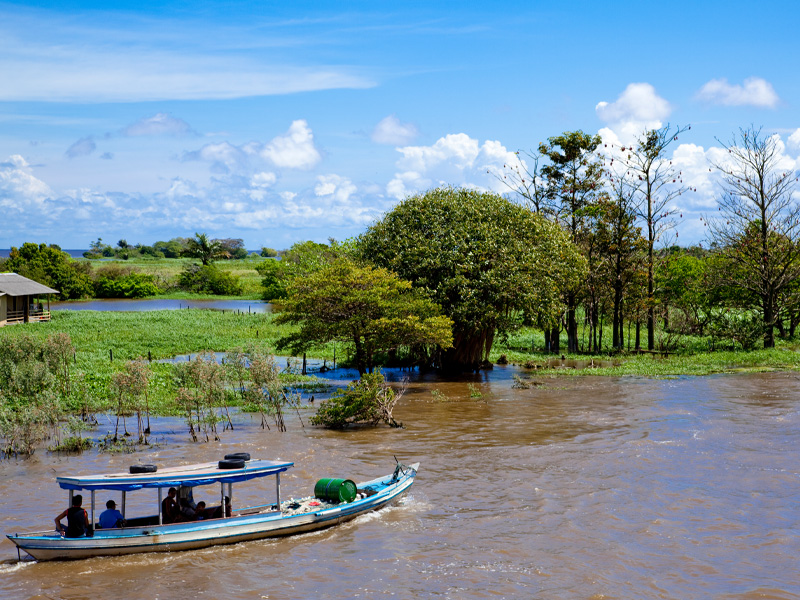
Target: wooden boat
152 534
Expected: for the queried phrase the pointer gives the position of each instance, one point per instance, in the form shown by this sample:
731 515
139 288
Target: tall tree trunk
638 344
572 325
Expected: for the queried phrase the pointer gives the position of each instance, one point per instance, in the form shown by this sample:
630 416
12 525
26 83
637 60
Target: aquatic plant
368 401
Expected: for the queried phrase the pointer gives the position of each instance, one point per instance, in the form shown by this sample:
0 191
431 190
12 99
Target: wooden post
111 355
304 363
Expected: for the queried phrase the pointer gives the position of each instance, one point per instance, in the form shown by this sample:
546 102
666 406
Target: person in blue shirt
111 517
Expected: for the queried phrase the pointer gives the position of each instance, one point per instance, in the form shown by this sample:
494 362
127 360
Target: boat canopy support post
71 494
278 489
160 515
123 503
222 498
92 521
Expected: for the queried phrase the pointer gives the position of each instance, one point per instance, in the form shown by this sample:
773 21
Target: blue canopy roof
187 475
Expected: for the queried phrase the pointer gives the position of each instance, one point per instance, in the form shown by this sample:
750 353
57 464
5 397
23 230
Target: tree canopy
370 308
482 258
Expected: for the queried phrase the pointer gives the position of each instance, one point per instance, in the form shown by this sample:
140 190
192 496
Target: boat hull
202 534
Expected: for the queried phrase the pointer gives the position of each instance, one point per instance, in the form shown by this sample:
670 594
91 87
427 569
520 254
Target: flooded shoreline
583 487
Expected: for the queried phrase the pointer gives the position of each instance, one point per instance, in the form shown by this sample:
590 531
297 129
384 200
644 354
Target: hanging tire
238 456
231 463
143 468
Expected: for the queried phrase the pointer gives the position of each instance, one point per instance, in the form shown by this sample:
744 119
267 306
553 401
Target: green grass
166 272
691 356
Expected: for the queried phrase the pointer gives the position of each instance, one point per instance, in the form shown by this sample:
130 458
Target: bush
117 282
368 401
208 279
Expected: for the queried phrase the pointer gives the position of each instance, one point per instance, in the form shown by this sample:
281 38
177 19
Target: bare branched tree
758 229
659 184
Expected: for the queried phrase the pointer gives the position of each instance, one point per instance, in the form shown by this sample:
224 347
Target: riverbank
104 341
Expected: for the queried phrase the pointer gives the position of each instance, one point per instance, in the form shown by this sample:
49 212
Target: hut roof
17 285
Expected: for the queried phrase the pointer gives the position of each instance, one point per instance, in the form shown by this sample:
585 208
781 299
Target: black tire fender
238 456
143 468
231 463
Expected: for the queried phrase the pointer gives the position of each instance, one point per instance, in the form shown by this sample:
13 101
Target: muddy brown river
577 488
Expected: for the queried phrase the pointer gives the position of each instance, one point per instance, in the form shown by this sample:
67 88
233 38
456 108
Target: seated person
218 510
111 517
169 507
77 519
186 502
200 511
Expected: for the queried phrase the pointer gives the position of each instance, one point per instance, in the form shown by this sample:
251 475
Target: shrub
208 279
368 401
118 282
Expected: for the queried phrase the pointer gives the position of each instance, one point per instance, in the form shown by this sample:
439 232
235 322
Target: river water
580 487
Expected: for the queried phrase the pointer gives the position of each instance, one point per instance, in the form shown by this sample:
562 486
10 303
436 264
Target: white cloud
391 131
20 190
338 187
753 92
83 147
79 57
158 124
638 108
794 139
455 159
295 149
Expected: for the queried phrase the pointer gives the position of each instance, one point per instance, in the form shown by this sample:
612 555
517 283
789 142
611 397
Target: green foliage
115 282
372 309
480 257
34 383
208 279
303 258
369 401
200 385
52 267
207 250
268 252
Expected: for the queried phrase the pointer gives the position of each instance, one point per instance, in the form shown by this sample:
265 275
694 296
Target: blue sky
278 122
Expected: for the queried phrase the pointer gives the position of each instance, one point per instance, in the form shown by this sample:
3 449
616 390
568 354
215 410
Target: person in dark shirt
111 517
77 519
169 507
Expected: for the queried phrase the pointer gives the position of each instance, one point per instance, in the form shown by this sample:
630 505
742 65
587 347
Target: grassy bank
104 341
690 356
166 271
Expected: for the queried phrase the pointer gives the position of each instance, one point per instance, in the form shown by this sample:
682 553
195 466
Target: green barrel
335 490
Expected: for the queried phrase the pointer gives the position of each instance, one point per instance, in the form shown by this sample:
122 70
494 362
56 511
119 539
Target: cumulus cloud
638 108
338 187
295 149
753 92
158 124
794 139
83 147
20 190
455 159
391 131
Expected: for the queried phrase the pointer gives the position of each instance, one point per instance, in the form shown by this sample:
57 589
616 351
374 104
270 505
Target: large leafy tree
573 181
372 309
482 258
52 267
303 258
758 231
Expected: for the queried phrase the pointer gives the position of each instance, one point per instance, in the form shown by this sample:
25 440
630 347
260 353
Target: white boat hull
201 534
